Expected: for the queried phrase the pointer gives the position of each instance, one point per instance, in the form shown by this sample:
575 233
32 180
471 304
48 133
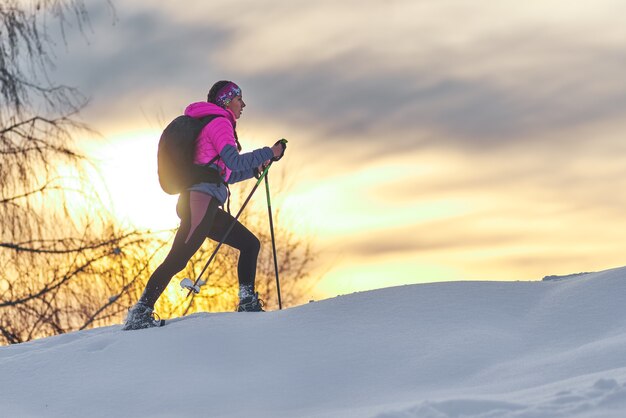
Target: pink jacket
215 136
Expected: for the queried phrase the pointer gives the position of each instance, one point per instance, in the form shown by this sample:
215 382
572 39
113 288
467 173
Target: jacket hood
201 109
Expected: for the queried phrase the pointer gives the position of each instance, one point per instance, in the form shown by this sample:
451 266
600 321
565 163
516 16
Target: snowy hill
464 349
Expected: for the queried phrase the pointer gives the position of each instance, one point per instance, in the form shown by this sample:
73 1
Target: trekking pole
186 283
269 211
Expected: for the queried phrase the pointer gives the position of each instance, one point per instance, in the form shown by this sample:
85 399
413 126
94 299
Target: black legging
213 225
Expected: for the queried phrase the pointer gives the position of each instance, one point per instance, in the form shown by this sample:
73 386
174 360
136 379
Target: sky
428 141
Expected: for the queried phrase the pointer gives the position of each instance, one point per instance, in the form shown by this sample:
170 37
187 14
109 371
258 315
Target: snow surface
459 349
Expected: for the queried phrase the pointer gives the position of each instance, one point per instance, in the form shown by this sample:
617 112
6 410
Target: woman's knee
252 246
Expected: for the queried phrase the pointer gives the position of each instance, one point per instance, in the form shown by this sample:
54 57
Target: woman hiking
199 206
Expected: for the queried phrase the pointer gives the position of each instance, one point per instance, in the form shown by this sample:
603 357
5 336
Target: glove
259 170
283 144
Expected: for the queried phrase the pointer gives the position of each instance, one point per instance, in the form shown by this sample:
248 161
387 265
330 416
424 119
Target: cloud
418 73
413 106
144 58
372 76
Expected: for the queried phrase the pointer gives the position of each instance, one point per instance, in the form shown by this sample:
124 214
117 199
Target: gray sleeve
237 162
237 176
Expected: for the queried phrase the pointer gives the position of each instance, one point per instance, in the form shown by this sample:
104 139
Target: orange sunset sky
428 141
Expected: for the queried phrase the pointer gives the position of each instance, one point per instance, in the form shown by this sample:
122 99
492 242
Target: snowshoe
250 304
142 316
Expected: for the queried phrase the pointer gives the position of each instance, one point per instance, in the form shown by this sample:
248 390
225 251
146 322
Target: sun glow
127 165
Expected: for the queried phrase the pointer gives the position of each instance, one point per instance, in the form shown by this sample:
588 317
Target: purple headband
226 94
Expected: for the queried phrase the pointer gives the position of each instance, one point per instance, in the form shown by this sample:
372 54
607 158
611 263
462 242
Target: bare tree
57 239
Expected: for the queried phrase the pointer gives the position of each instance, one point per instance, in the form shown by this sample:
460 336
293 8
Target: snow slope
460 349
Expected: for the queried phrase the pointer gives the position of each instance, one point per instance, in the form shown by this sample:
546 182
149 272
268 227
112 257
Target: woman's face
236 106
